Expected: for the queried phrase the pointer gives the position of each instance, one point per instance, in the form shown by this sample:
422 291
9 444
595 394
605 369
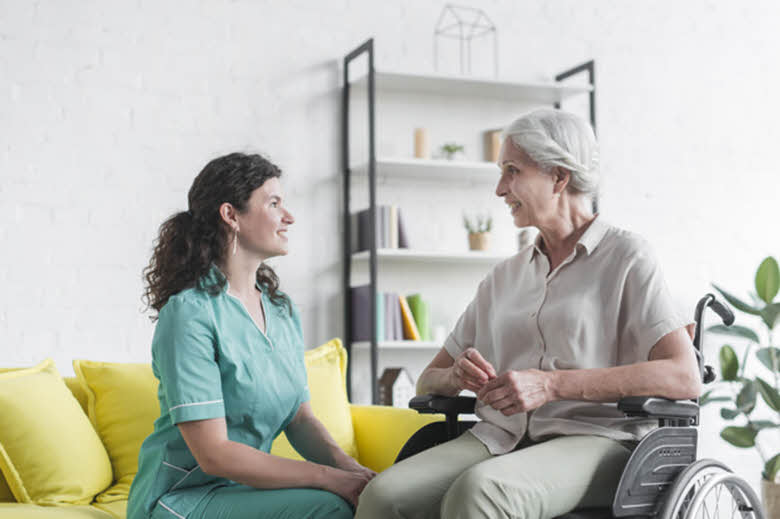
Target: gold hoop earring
235 241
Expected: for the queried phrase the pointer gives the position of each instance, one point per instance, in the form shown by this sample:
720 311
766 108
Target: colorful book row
390 232
398 318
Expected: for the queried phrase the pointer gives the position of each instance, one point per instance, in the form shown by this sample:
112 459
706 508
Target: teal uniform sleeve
185 355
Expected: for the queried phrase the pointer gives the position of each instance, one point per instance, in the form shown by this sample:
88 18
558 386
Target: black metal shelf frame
367 48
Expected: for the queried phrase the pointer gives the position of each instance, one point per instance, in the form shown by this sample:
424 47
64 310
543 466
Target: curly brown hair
189 242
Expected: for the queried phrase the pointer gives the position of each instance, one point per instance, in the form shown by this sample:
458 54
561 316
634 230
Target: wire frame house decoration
467 26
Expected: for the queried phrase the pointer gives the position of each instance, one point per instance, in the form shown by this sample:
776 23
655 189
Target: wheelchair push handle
725 313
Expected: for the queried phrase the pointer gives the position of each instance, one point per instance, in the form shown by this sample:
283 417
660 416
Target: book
389 316
419 310
410 327
393 228
361 322
403 241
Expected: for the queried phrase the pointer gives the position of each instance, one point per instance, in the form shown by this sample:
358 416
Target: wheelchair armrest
449 405
657 407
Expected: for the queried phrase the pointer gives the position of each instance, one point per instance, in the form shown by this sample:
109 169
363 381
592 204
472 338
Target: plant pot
770 496
479 240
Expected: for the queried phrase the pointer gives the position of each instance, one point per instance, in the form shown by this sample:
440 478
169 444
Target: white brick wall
108 110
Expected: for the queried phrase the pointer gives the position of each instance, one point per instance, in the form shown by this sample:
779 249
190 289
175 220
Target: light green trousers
461 479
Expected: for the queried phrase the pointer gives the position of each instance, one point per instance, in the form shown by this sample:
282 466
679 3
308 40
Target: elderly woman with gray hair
580 318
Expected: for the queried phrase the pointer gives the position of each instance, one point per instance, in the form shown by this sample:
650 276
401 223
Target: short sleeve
184 355
464 335
647 311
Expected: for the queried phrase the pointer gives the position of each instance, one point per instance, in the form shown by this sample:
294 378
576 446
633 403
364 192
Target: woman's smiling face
526 188
263 226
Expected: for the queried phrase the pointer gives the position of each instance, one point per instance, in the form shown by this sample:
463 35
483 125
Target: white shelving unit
437 98
446 85
417 256
434 170
399 345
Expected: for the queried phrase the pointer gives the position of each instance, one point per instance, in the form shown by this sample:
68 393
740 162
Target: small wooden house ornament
396 387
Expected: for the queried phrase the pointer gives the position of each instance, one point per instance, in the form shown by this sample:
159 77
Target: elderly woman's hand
471 371
517 391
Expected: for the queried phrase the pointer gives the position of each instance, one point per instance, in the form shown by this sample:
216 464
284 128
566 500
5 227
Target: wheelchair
662 478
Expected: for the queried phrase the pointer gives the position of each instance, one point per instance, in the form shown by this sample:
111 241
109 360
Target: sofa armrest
381 431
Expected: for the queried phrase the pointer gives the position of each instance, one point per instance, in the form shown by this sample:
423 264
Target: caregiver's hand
471 371
517 391
348 484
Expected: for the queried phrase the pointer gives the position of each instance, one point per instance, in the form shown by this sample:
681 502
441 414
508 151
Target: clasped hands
510 392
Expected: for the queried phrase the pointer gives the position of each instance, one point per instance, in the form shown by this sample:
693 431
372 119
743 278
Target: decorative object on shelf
738 389
422 148
452 150
396 387
478 228
466 26
492 145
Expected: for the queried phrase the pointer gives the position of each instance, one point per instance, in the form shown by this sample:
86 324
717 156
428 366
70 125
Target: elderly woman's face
526 189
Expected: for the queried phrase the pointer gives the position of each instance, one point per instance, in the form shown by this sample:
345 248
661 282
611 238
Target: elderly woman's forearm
436 381
664 378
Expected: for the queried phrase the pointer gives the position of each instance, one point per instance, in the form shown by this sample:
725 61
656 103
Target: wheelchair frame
662 477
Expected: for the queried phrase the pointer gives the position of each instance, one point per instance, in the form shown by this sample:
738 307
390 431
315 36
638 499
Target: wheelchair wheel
707 489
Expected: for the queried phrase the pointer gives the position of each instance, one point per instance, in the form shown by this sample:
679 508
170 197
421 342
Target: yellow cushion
6 496
326 367
122 405
381 432
49 452
117 509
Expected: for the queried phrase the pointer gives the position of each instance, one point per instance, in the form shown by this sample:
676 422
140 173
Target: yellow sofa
109 393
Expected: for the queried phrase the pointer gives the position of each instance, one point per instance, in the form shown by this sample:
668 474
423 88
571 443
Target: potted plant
478 228
451 150
739 385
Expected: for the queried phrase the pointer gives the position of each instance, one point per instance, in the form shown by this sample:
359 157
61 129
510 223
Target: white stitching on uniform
185 477
170 510
174 466
196 403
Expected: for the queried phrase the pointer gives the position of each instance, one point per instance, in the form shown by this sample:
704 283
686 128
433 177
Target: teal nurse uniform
214 362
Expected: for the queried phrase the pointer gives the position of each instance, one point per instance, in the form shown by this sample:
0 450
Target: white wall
108 110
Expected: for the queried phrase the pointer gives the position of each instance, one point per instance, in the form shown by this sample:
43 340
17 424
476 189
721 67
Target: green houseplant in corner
740 386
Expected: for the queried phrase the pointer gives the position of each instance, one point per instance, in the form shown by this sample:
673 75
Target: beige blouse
606 305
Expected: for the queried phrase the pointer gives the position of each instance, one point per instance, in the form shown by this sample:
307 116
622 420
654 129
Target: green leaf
729 365
760 425
765 356
728 414
771 468
736 303
770 394
770 313
735 330
739 436
768 279
707 398
746 399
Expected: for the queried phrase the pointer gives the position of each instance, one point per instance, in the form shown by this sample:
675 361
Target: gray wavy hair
554 138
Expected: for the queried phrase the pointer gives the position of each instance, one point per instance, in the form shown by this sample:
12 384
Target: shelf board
413 255
531 92
399 345
432 169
